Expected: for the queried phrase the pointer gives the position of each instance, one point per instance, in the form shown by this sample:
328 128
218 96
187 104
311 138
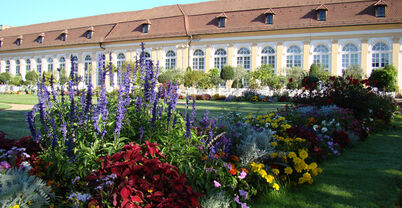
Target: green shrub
294 77
16 80
354 71
192 78
318 71
171 76
214 76
227 73
17 186
4 77
32 77
382 79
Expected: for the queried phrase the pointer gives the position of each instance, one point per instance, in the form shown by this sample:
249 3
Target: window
350 55
170 62
145 28
63 35
101 67
198 60
321 56
40 39
88 69
380 11
89 33
294 57
1 41
74 65
8 66
18 42
381 55
269 19
50 64
39 66
244 58
62 63
17 67
220 59
121 58
28 64
268 56
322 15
222 22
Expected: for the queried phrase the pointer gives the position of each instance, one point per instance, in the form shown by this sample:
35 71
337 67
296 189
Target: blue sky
26 12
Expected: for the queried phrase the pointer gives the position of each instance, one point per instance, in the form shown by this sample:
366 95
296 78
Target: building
286 33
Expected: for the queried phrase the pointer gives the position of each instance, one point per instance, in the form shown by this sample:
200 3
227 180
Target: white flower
315 127
323 122
338 124
324 129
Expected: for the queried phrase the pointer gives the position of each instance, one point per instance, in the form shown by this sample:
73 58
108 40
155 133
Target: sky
26 12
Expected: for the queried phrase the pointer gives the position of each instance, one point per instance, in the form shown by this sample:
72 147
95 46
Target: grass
218 107
13 123
368 175
19 99
4 106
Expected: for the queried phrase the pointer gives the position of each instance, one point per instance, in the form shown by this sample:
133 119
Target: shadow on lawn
13 123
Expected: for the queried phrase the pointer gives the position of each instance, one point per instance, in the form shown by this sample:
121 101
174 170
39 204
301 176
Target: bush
214 76
318 71
354 71
173 76
4 77
63 78
16 80
294 77
192 78
32 77
227 73
383 80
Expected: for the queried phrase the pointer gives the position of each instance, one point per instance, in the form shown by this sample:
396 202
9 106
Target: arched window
220 59
88 69
50 64
17 67
62 63
198 60
244 58
121 58
39 66
381 55
170 62
74 65
28 64
321 56
350 55
8 66
101 67
268 56
294 57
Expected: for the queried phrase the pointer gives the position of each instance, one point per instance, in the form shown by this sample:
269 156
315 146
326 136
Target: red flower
290 80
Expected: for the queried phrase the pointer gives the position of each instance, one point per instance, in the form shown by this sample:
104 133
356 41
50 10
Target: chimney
3 27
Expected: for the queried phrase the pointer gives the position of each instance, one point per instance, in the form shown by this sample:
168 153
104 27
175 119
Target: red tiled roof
200 18
322 7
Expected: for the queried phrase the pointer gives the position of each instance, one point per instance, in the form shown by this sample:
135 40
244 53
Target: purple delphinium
69 150
243 193
54 93
141 133
138 103
111 74
242 204
193 111
30 119
204 123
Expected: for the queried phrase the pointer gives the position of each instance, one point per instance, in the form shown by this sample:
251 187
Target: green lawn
217 107
19 99
13 123
368 175
4 106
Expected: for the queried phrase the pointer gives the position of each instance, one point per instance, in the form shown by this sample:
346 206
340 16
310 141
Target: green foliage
353 70
16 80
227 73
17 186
63 78
191 78
48 76
188 69
32 77
4 77
383 80
171 75
294 77
267 76
318 71
214 77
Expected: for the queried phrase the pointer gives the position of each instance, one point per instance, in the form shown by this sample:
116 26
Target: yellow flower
92 206
312 166
297 160
288 170
269 178
274 125
273 155
274 144
307 176
303 154
310 181
51 206
292 154
302 180
275 186
271 114
29 202
16 206
262 173
298 139
275 171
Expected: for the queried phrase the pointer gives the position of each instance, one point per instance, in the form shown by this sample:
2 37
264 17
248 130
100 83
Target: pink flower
217 184
242 175
4 165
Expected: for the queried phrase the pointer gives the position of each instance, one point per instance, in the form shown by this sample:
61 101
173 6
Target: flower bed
133 149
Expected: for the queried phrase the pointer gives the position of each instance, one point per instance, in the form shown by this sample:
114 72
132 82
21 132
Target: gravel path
19 107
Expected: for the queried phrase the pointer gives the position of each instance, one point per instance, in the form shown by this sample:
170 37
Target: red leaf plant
135 177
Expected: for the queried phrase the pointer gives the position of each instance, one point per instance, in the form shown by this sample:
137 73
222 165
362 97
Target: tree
354 71
4 77
383 80
31 77
63 78
214 76
317 70
227 73
16 80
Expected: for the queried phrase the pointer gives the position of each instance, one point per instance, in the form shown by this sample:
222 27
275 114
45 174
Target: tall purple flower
138 103
111 74
193 111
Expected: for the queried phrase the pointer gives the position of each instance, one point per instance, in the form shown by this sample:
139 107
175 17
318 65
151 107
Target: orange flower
244 169
51 182
216 156
204 157
234 158
222 154
233 171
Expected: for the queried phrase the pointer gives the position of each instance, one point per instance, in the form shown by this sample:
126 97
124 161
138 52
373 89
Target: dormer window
18 42
222 20
40 38
63 35
269 17
89 33
379 7
146 25
321 12
1 41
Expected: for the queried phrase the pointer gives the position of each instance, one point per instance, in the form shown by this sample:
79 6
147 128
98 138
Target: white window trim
371 43
236 48
261 46
192 50
163 58
214 48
